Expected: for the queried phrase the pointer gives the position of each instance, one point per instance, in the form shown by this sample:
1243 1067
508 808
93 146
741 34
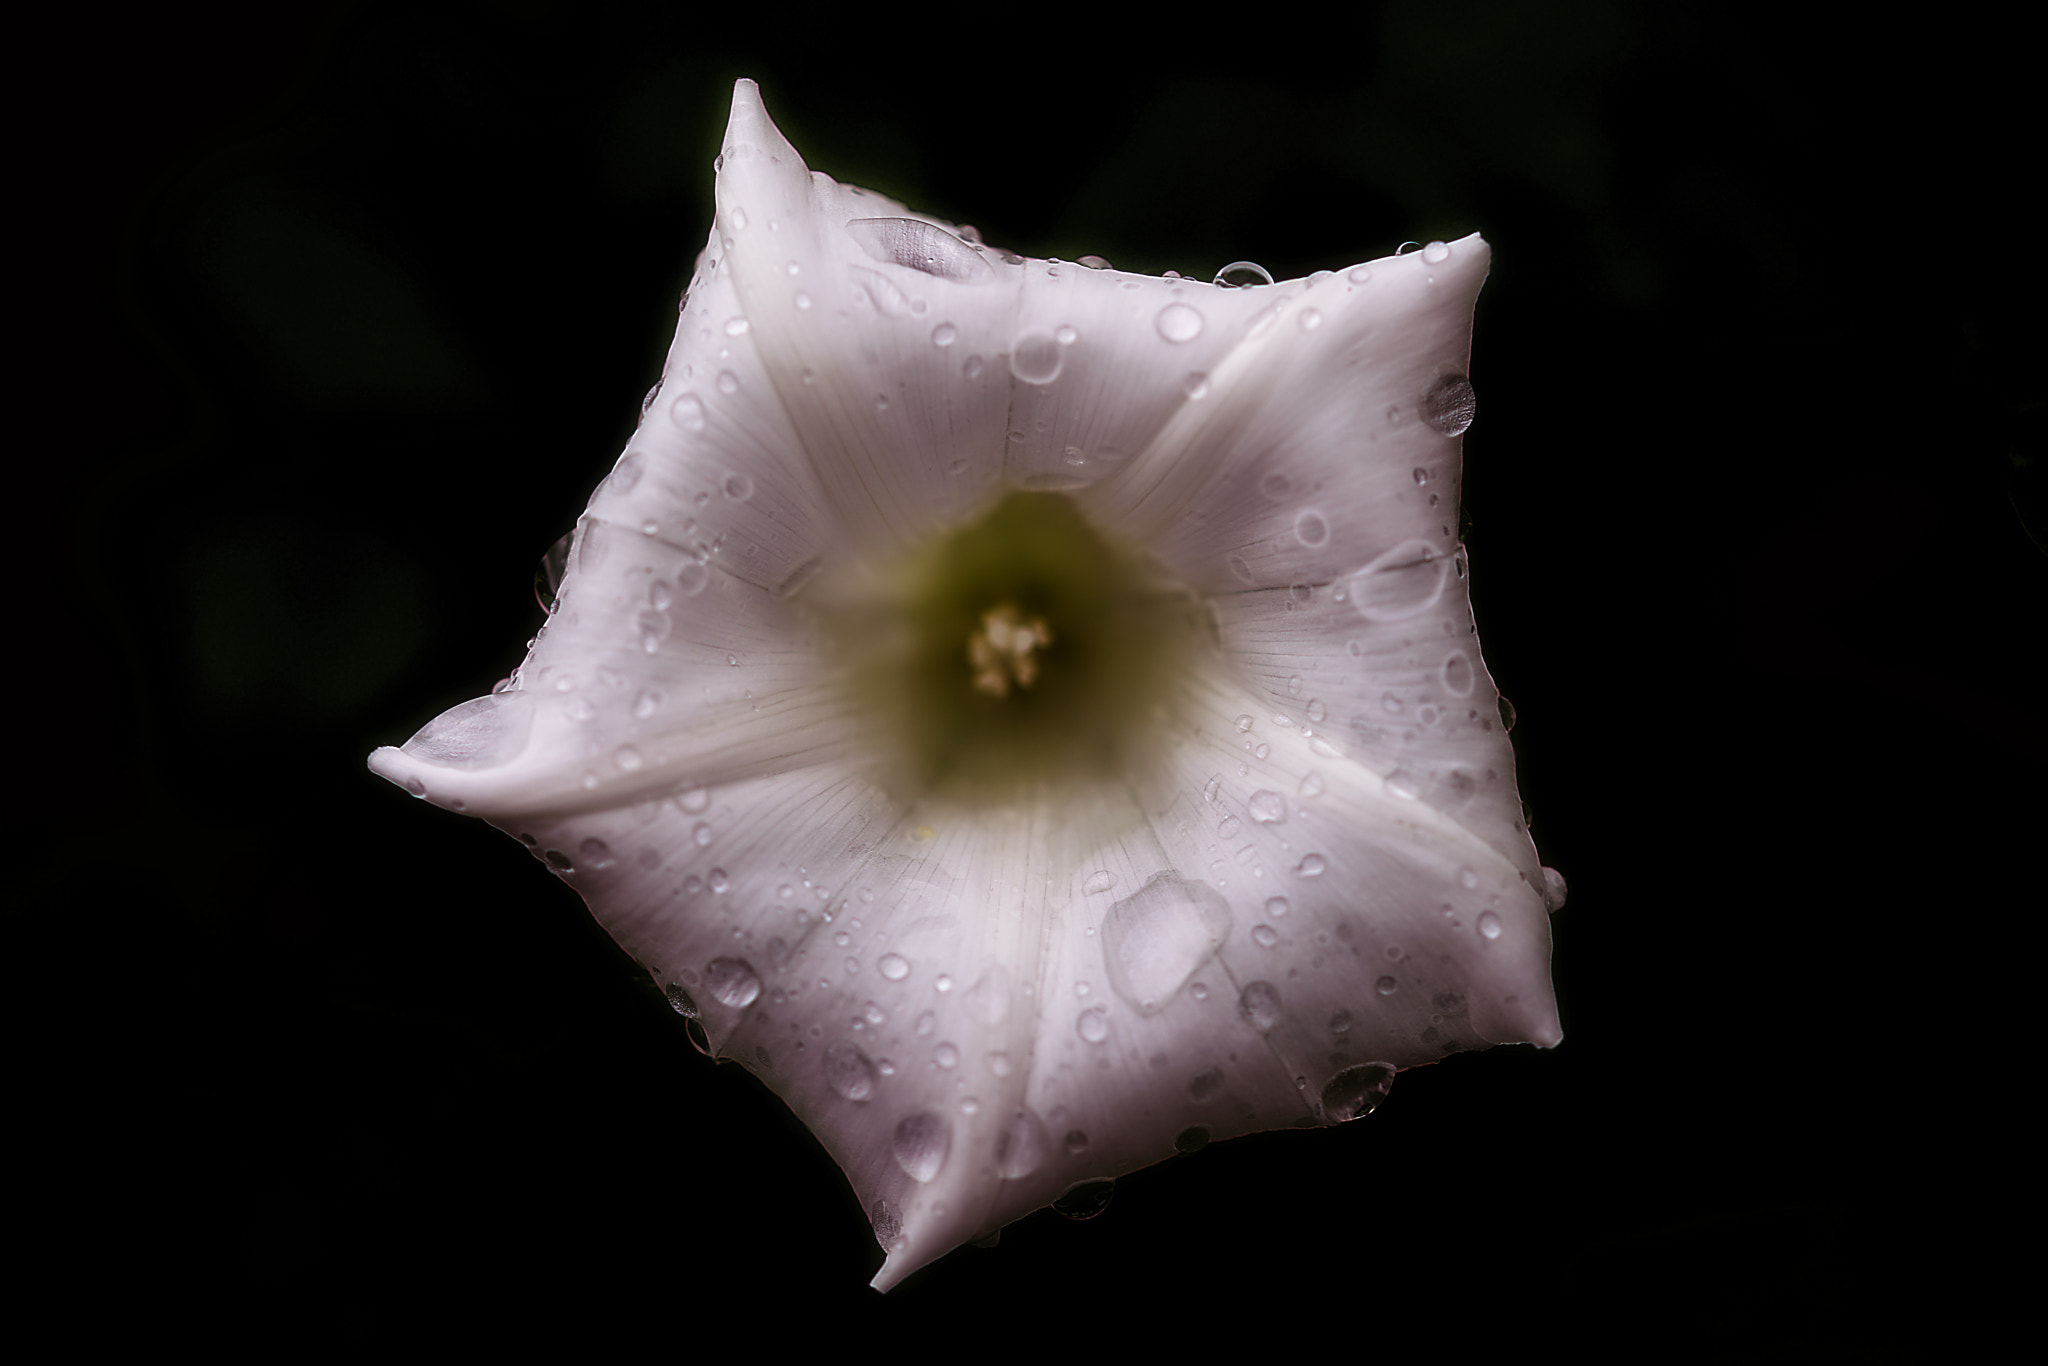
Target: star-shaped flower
1029 714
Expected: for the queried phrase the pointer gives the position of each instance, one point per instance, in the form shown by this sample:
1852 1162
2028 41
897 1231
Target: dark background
355 302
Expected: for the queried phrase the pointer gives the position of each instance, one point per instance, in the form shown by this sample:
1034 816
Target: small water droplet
738 487
680 1000
1278 906
1309 319
1227 827
972 367
1196 385
1457 674
695 799
735 327
893 966
728 382
1065 336
1100 880
1267 807
627 758
1489 924
1340 1023
1310 529
732 980
1311 865
1244 723
1265 936
1553 889
945 334
802 301
1385 986
547 577
946 1056
1093 1024
702 834
1178 323
1191 1140
1436 253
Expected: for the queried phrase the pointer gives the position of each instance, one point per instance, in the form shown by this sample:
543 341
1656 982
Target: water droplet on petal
1260 1005
1457 674
1399 583
920 1145
1196 385
732 980
893 966
1265 936
1093 1024
1036 358
1355 1091
1242 275
680 999
1100 880
1267 807
1021 1146
1553 889
1436 253
1311 865
1489 924
1449 405
1309 319
1310 529
1085 1199
851 1072
1191 1140
1178 323
945 334
1386 986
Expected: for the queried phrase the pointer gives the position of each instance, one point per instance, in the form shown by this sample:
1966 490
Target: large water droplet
1436 253
1155 939
1399 583
1179 323
920 1145
733 981
921 246
479 734
1085 1199
1243 274
1021 1146
1260 1005
548 574
1355 1091
851 1072
1449 405
1036 358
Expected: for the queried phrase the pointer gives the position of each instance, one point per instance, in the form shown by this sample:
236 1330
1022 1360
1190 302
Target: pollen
1000 652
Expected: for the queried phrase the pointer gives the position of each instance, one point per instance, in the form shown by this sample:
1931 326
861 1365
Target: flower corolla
1027 713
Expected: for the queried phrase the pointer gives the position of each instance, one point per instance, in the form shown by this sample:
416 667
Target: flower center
1022 649
1000 651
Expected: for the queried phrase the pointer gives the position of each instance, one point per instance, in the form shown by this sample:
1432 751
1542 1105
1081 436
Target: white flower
1029 714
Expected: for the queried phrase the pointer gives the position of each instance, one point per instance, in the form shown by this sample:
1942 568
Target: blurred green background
356 302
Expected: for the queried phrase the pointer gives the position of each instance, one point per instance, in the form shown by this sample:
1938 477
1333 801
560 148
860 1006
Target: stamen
1001 650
